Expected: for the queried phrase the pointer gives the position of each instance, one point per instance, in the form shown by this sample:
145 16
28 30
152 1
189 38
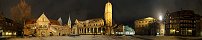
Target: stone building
91 26
182 23
44 27
9 27
146 26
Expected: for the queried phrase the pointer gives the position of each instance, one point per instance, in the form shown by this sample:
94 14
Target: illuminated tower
69 22
108 14
108 17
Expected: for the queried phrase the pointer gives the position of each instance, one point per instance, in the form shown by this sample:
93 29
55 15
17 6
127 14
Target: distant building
9 27
91 26
44 27
119 29
146 26
124 30
182 23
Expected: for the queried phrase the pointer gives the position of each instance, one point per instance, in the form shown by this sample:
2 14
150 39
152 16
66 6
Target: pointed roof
69 20
42 18
76 21
60 20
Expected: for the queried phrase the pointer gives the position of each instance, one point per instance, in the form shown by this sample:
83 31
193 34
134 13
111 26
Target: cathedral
97 25
48 27
45 27
91 26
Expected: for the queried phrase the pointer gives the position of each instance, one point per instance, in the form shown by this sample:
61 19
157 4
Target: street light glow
160 18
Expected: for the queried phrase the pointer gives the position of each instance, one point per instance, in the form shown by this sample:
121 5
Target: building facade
91 26
9 27
44 27
182 23
146 26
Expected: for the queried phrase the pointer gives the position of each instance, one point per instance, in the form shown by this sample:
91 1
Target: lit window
189 30
172 31
177 31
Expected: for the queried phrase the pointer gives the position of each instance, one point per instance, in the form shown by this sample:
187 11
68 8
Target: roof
90 20
43 18
54 22
32 21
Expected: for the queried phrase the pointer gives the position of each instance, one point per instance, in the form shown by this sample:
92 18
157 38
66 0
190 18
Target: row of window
89 30
187 21
10 24
183 32
182 25
182 21
145 21
142 25
94 24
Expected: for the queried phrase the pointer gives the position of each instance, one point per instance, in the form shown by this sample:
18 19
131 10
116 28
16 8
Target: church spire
69 22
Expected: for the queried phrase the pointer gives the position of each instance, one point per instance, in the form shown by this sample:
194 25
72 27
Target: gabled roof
32 21
42 18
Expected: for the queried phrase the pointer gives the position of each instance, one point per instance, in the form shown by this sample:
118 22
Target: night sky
124 11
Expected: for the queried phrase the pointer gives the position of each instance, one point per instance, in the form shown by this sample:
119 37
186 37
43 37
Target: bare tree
21 11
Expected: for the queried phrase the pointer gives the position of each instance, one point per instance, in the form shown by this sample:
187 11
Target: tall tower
69 22
108 17
108 14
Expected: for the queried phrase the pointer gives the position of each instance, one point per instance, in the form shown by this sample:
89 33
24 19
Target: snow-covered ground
81 37
104 37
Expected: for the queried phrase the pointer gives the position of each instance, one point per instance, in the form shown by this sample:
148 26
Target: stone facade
91 26
9 27
182 23
44 27
146 26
